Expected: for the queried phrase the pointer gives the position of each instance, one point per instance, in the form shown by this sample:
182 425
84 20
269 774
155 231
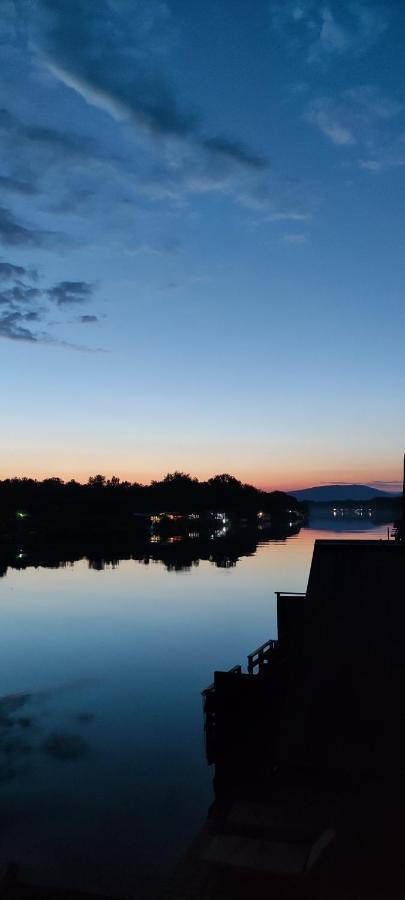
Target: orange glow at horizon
286 478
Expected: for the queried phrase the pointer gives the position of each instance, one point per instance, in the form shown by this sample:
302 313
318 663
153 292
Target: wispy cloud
108 53
359 116
371 165
371 103
324 113
115 55
328 30
390 486
101 51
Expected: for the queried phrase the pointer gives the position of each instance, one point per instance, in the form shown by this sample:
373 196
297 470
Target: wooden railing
260 658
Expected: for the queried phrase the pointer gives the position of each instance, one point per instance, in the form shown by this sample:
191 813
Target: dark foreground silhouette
309 744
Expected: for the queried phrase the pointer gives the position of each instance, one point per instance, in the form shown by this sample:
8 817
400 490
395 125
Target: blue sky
201 227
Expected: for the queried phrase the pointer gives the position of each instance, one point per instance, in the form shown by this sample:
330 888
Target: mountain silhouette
340 492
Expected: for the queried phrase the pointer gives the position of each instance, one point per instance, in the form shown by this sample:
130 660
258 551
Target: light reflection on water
102 772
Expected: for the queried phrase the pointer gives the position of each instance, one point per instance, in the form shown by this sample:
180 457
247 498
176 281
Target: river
103 779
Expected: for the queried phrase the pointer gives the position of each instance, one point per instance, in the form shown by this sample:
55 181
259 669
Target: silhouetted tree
98 481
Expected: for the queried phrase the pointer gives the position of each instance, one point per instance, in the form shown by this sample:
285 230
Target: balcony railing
261 657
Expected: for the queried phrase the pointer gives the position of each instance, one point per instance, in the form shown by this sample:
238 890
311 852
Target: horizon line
390 486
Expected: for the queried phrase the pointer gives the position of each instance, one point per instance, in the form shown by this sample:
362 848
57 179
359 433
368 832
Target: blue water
103 779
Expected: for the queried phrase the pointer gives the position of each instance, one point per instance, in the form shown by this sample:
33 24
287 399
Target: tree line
176 492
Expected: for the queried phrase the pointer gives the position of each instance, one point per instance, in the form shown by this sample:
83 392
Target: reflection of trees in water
180 555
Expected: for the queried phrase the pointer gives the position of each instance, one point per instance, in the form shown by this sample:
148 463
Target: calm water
102 772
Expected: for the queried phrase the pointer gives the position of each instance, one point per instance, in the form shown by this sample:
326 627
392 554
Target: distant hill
340 492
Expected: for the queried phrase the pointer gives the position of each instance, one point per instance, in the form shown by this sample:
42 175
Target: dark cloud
33 316
87 320
66 293
12 327
19 305
20 293
13 233
235 152
17 186
9 271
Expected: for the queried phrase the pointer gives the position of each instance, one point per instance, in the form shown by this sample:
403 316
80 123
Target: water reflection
223 548
104 652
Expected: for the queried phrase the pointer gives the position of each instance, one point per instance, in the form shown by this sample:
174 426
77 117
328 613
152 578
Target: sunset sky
202 239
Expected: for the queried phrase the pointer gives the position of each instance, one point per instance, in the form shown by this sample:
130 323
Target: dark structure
309 744
400 525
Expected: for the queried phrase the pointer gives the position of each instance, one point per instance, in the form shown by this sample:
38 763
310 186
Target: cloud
22 305
114 54
108 53
87 320
17 186
97 52
394 486
33 149
372 103
9 271
33 158
372 165
19 293
235 152
333 38
16 234
323 113
13 233
355 116
12 327
19 304
328 30
103 52
67 293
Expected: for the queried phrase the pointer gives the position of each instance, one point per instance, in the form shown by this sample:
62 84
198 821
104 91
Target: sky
202 239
